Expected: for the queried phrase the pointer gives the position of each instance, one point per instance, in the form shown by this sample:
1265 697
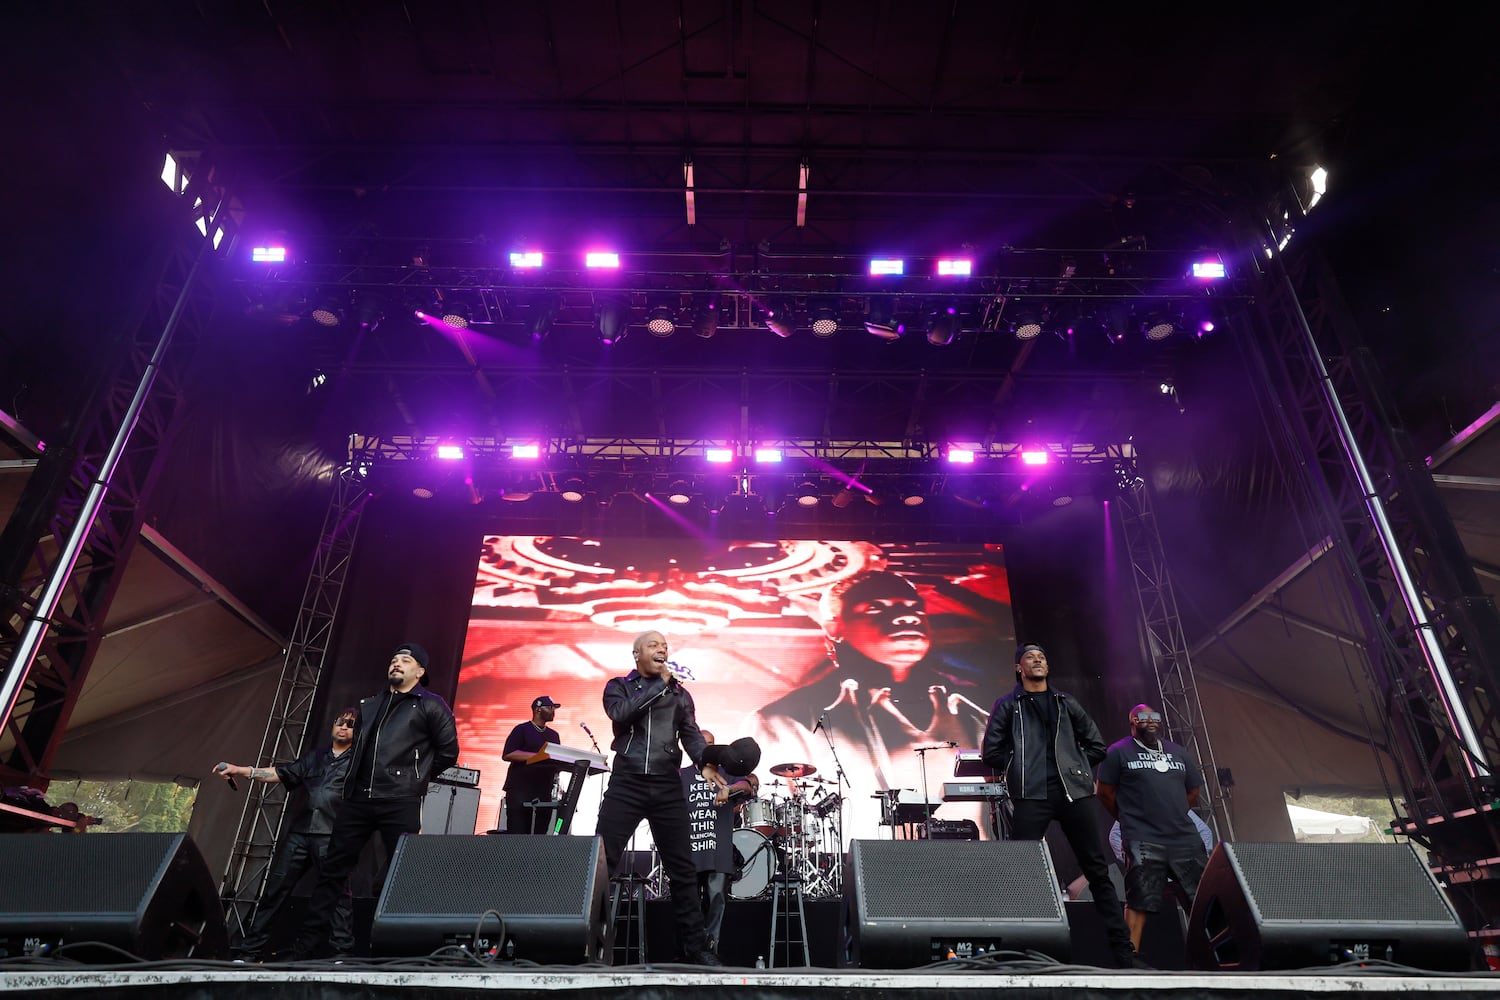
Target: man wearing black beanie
1046 746
403 737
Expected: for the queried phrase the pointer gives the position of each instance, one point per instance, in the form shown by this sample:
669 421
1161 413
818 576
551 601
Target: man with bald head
1149 784
654 721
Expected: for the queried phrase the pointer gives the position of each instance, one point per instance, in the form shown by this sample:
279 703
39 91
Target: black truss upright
1164 643
1432 637
64 550
286 729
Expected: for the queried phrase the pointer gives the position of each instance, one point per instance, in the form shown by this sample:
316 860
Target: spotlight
718 456
880 318
1035 456
1159 326
680 493
807 494
1030 321
767 455
423 492
457 315
942 324
825 321
611 315
842 498
661 321
369 311
526 258
451 452
706 318
268 255
573 489
886 266
780 318
912 496
542 311
328 312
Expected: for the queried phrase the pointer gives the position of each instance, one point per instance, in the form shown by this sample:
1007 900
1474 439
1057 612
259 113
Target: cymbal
794 770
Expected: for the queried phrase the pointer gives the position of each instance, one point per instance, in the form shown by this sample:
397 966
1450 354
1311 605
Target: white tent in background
1317 826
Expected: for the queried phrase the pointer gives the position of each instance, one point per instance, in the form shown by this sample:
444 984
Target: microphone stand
841 783
926 799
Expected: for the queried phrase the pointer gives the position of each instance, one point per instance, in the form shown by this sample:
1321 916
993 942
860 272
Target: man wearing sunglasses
320 773
1149 784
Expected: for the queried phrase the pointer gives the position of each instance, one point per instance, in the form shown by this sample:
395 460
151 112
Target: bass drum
754 865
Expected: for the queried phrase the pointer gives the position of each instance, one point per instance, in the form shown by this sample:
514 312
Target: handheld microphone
223 766
821 720
585 727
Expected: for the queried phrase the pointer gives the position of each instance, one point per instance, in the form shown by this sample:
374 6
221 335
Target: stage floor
215 981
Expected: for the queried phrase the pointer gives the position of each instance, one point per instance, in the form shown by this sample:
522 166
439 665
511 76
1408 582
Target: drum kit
794 835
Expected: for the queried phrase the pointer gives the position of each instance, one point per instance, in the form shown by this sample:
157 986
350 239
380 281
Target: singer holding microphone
527 784
654 722
320 773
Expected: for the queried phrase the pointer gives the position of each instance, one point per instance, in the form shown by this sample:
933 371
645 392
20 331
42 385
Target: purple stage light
768 455
525 451
961 456
1035 456
887 266
450 451
601 258
719 455
955 268
268 255
527 258
1208 269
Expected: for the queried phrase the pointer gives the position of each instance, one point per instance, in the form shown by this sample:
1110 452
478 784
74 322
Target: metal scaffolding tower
286 729
1165 645
1432 636
64 550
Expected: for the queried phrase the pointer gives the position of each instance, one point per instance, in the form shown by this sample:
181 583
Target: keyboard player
526 783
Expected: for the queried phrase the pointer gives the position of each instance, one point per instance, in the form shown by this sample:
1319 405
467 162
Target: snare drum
760 815
754 863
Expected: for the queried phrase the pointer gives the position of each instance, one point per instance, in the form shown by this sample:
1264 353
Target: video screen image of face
842 657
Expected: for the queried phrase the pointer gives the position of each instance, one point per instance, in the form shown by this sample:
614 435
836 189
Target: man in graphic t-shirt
1149 784
711 810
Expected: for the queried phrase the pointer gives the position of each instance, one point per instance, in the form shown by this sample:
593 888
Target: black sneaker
707 958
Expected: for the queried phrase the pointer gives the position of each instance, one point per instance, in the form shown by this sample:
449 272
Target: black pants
713 888
358 820
658 799
1077 819
299 853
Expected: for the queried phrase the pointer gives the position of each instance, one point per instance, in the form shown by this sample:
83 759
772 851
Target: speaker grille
47 877
544 876
957 880
1338 882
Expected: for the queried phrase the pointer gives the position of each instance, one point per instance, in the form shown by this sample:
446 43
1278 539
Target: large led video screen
869 666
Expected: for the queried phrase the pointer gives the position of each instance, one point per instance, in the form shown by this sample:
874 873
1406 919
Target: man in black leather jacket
320 773
406 735
1046 746
654 721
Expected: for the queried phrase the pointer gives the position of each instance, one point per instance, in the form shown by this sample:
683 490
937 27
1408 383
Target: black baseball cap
545 701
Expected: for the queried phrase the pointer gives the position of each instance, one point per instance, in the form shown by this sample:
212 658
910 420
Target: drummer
711 817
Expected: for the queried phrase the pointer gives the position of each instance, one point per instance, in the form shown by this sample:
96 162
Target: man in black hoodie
1046 746
405 736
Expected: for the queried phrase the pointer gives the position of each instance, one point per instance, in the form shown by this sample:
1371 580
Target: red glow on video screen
894 646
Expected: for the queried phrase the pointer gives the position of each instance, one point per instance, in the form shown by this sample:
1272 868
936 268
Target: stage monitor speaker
911 902
1292 906
549 891
149 894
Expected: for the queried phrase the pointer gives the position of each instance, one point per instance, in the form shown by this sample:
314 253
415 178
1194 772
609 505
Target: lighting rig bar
568 455
744 290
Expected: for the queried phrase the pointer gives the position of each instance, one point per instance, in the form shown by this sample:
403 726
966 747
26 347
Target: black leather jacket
415 741
653 723
1015 745
322 774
